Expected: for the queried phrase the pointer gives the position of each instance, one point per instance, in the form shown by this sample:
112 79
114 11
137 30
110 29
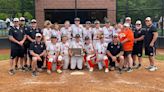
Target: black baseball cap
87 38
77 36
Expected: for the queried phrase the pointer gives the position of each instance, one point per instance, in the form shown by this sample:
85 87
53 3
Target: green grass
157 57
4 57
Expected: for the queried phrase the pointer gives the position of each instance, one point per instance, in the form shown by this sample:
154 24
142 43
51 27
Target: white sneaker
148 67
91 69
153 68
59 71
49 71
106 70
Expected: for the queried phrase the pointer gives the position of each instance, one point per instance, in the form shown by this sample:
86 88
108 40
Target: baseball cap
97 22
15 19
126 25
107 21
148 19
53 36
33 20
138 22
87 38
87 22
22 19
77 36
77 19
115 35
127 18
38 35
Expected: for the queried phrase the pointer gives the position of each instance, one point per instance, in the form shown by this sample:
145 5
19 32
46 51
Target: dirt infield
98 81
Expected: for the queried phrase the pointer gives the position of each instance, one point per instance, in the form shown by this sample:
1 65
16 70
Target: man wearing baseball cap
129 20
138 44
17 38
115 53
150 38
38 52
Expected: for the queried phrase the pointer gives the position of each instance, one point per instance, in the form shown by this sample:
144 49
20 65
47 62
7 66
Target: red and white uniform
52 49
57 33
108 33
101 48
87 32
96 33
89 55
77 30
67 32
64 52
77 60
47 34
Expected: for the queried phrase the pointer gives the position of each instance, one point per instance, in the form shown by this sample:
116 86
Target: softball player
64 51
56 31
101 56
108 32
87 31
77 28
89 52
47 32
66 30
53 53
96 32
77 60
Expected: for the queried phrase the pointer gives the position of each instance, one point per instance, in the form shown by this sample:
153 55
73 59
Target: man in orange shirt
127 39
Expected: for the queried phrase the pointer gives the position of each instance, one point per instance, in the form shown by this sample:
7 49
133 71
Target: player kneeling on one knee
101 56
115 53
89 53
38 53
53 49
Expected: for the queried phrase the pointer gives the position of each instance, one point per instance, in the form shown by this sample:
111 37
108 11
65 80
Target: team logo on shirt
35 46
41 46
15 31
118 46
21 30
111 46
37 30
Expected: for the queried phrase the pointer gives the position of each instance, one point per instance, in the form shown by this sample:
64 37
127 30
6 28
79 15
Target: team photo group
91 46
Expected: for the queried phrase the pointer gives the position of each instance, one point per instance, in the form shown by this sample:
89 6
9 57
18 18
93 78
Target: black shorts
150 51
126 53
137 50
17 53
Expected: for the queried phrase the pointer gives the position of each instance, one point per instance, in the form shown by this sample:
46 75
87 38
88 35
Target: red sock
49 65
58 67
106 63
90 63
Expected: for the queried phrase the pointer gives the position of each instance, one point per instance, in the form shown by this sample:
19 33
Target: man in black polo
38 53
150 38
138 44
115 52
17 38
31 33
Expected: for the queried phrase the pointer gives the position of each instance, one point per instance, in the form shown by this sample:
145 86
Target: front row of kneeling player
58 56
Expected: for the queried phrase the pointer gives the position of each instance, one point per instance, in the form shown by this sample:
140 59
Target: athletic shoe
153 68
149 67
34 74
59 71
137 66
49 71
106 70
16 67
130 70
125 69
40 69
119 71
11 72
91 69
112 68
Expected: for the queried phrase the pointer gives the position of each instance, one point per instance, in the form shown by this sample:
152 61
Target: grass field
4 57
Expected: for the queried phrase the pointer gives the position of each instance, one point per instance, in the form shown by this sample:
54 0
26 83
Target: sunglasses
16 21
138 24
33 22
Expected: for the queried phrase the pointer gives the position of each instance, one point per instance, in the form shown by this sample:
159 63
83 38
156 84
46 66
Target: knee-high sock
106 63
90 63
49 65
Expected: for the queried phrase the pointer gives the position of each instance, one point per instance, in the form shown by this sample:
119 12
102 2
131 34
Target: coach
150 38
17 38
